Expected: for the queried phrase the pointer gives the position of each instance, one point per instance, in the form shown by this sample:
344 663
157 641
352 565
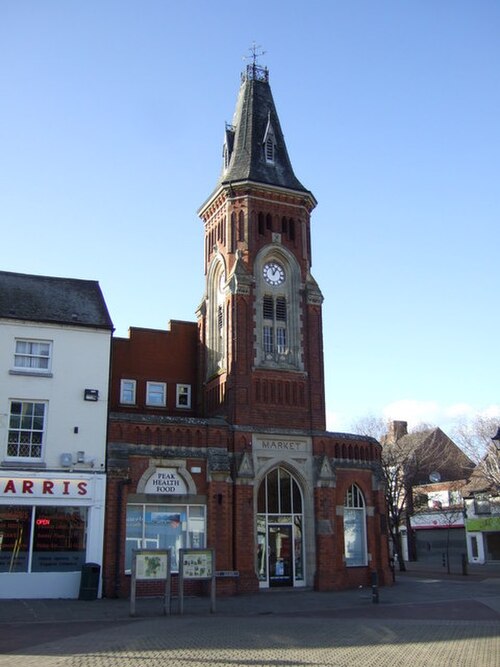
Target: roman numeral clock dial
273 273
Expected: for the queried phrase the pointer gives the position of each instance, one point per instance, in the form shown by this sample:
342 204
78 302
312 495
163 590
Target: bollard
374 588
464 564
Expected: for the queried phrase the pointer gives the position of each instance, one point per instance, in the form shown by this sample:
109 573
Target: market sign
483 524
166 481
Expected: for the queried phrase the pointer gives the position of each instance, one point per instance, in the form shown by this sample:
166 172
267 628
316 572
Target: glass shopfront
280 543
42 538
164 527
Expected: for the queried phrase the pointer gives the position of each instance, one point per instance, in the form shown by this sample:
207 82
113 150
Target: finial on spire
254 50
255 71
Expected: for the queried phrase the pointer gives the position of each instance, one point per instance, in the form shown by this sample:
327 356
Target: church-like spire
254 146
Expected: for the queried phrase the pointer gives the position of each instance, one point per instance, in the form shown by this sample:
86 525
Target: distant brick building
432 522
217 428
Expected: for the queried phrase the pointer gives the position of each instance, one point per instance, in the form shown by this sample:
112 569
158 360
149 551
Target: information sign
150 565
196 564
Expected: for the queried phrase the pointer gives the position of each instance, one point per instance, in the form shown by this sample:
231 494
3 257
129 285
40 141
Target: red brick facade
259 478
143 437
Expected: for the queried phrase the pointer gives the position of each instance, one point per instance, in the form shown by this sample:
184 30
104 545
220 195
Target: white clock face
273 273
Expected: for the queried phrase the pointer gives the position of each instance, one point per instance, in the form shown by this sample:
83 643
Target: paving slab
425 618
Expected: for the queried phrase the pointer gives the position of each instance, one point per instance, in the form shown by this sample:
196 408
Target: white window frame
181 391
26 429
32 356
132 389
150 392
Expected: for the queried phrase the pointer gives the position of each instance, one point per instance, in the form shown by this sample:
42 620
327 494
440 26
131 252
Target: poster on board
197 563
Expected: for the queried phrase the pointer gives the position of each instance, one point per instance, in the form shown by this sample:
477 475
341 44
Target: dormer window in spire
269 143
269 149
228 145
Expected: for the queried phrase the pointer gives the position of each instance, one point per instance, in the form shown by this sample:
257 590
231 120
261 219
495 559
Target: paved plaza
423 620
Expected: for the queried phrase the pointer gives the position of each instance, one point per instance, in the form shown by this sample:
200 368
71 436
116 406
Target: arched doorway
280 530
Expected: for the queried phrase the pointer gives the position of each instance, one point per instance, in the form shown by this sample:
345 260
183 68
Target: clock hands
273 274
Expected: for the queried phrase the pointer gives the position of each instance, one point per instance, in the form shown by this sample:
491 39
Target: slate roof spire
254 146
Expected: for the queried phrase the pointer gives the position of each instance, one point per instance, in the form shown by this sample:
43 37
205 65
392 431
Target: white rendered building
55 341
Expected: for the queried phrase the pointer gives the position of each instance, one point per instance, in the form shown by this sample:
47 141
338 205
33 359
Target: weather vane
255 71
254 51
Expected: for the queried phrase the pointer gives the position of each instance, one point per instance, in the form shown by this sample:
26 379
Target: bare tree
375 427
474 437
398 471
407 460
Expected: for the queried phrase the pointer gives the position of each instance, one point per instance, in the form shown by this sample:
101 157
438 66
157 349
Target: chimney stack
396 430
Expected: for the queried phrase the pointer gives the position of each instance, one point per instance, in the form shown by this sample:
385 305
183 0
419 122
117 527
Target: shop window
127 392
354 527
58 543
26 429
156 393
164 527
15 529
183 399
33 355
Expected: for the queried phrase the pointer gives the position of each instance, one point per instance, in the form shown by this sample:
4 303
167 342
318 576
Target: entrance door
280 555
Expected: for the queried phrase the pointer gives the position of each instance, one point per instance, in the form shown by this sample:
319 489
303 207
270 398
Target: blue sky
111 128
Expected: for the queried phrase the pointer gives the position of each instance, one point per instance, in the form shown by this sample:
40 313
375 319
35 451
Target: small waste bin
89 582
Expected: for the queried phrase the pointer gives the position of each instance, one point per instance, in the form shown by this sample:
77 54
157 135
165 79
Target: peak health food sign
166 481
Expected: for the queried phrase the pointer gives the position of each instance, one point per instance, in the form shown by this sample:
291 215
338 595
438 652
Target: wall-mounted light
91 395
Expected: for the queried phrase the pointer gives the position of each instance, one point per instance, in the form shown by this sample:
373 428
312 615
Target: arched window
216 333
354 528
280 530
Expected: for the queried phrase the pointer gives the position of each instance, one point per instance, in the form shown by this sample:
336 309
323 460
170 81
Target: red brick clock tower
232 407
260 321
